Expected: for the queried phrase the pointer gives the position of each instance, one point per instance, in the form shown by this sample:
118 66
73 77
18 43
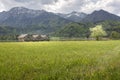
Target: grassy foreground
69 60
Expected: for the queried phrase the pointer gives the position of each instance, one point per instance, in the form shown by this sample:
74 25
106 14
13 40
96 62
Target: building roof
22 35
43 36
35 36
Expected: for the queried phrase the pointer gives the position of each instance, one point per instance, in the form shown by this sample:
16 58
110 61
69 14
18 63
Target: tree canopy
97 32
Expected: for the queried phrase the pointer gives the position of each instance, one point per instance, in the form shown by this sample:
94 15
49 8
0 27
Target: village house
22 37
32 37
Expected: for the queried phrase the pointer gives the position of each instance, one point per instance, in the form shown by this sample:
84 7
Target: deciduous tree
97 32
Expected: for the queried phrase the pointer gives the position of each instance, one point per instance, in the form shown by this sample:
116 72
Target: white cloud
86 6
100 4
9 4
58 6
2 7
115 7
64 6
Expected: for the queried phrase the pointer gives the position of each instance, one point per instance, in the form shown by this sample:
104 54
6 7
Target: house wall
21 40
31 38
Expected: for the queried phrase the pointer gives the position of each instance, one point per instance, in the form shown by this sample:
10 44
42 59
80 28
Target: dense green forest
82 29
70 30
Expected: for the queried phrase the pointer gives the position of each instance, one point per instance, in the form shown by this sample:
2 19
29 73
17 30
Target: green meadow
60 60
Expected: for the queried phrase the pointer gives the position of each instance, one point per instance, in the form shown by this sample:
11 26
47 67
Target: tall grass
67 60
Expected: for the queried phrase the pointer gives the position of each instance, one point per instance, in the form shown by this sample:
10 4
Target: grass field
67 60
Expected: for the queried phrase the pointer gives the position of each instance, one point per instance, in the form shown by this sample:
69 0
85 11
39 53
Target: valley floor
60 60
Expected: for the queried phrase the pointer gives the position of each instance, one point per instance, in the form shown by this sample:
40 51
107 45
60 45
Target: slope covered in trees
20 20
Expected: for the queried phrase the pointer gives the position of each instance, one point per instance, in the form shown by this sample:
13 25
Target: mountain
23 20
96 16
28 20
100 15
73 16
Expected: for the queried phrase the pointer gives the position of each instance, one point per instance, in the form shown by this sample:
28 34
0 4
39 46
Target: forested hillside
20 20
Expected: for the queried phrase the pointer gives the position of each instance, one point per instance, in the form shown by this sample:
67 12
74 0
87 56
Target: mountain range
32 20
73 16
40 21
100 15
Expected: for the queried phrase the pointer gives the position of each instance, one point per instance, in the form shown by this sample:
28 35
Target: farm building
32 37
22 37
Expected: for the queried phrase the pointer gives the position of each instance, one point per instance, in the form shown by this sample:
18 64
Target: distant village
32 37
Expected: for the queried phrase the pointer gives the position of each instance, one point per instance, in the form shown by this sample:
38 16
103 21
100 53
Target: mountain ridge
73 16
100 15
37 20
41 21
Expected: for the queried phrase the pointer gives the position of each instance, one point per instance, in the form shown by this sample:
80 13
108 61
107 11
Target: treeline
82 29
8 37
69 31
8 33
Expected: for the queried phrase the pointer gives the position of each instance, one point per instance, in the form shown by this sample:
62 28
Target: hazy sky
64 6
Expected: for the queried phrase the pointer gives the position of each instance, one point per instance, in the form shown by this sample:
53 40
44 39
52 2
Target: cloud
64 6
115 6
22 0
99 4
10 3
37 1
2 7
